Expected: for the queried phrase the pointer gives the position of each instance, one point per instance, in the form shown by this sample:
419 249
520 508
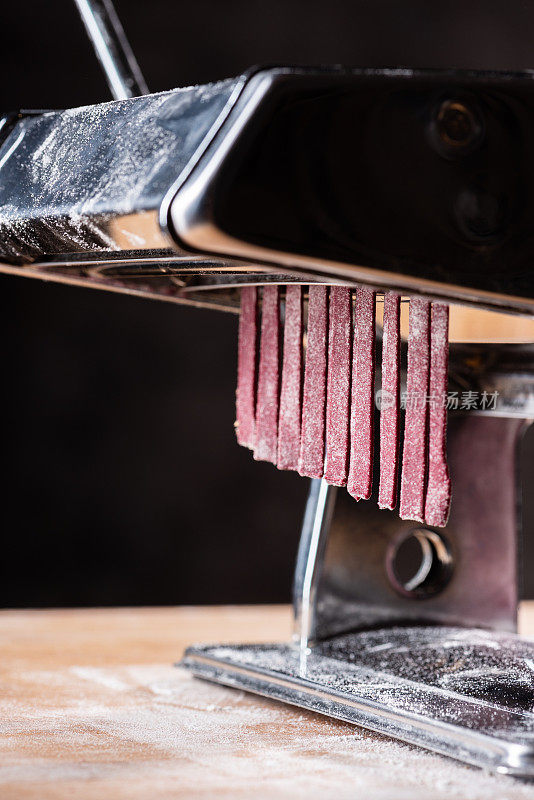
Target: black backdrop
122 480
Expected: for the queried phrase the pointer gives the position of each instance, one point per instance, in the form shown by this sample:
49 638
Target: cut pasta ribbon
309 405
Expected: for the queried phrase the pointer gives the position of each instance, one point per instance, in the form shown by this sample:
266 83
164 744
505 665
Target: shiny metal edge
112 48
462 744
186 212
107 285
315 527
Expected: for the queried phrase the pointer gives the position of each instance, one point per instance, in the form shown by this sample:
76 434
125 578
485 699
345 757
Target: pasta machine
415 182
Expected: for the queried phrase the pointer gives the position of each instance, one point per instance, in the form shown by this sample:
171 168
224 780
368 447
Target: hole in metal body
419 564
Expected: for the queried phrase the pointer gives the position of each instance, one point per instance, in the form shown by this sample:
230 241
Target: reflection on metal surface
205 222
472 325
355 590
398 663
315 527
466 693
220 171
93 179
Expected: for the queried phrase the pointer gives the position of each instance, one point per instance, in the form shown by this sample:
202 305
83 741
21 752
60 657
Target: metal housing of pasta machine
420 181
311 174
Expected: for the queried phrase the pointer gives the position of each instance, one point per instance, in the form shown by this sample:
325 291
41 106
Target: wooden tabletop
92 707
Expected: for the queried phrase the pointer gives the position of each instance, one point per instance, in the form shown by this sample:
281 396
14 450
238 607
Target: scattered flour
154 731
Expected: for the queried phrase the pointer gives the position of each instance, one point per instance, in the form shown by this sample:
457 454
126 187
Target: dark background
123 483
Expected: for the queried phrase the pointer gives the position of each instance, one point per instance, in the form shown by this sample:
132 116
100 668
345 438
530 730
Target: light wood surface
91 707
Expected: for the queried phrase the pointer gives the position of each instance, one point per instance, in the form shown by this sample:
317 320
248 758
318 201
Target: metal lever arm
112 48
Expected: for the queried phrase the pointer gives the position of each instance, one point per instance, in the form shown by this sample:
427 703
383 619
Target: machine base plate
467 693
